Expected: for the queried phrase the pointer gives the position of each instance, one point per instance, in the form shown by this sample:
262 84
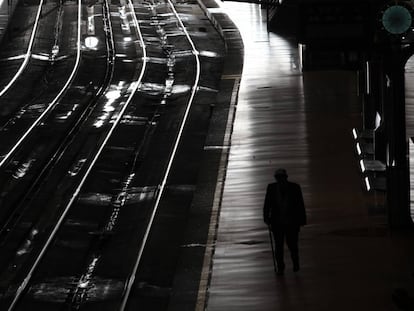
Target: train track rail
118 149
161 189
88 123
27 116
28 53
24 170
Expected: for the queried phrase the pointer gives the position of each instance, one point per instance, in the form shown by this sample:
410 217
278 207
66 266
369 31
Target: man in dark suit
284 212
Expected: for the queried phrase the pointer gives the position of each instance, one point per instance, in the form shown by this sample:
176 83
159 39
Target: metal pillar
395 127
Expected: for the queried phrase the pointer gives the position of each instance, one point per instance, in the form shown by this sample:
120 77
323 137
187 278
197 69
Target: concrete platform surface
301 122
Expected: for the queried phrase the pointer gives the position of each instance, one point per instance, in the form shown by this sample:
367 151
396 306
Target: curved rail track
52 104
86 118
18 120
11 209
143 242
75 165
28 53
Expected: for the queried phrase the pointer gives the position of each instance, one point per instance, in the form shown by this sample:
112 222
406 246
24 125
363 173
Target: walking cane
271 244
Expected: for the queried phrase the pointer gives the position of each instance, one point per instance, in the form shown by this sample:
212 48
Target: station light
397 18
354 133
91 42
358 147
367 183
362 165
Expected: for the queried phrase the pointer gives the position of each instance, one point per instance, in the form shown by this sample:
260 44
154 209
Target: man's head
281 175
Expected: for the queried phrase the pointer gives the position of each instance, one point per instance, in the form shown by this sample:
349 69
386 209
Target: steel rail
161 189
25 282
58 224
57 97
12 220
28 52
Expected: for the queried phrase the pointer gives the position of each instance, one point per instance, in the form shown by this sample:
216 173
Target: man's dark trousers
291 234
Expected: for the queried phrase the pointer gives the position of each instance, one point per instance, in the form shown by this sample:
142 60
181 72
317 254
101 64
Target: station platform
350 260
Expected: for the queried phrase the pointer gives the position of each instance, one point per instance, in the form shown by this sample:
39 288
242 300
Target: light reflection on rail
56 99
25 282
131 92
28 52
131 278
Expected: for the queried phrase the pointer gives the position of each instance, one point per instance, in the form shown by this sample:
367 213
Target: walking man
284 212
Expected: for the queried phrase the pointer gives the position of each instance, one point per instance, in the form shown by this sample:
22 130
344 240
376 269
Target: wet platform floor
302 122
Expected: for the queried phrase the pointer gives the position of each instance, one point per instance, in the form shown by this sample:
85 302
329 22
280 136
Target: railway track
21 65
102 179
43 77
19 182
26 165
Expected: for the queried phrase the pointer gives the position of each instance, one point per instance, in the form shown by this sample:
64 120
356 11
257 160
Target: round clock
396 19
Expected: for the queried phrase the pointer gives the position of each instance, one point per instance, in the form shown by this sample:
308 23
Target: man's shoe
280 269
